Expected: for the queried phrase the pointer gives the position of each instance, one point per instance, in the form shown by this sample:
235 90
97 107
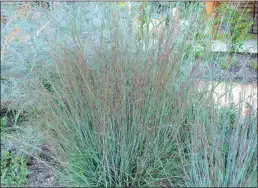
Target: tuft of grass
126 112
113 116
13 170
221 149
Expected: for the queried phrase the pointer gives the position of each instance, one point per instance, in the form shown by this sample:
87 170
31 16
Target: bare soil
41 175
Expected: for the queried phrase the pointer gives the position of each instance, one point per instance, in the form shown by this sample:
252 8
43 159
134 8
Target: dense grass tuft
126 111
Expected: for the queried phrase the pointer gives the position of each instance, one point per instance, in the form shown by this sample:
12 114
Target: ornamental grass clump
221 149
120 111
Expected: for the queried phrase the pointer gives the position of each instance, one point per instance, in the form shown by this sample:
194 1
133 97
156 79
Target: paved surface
249 46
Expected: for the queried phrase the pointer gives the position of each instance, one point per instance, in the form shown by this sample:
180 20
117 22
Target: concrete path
249 46
242 95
